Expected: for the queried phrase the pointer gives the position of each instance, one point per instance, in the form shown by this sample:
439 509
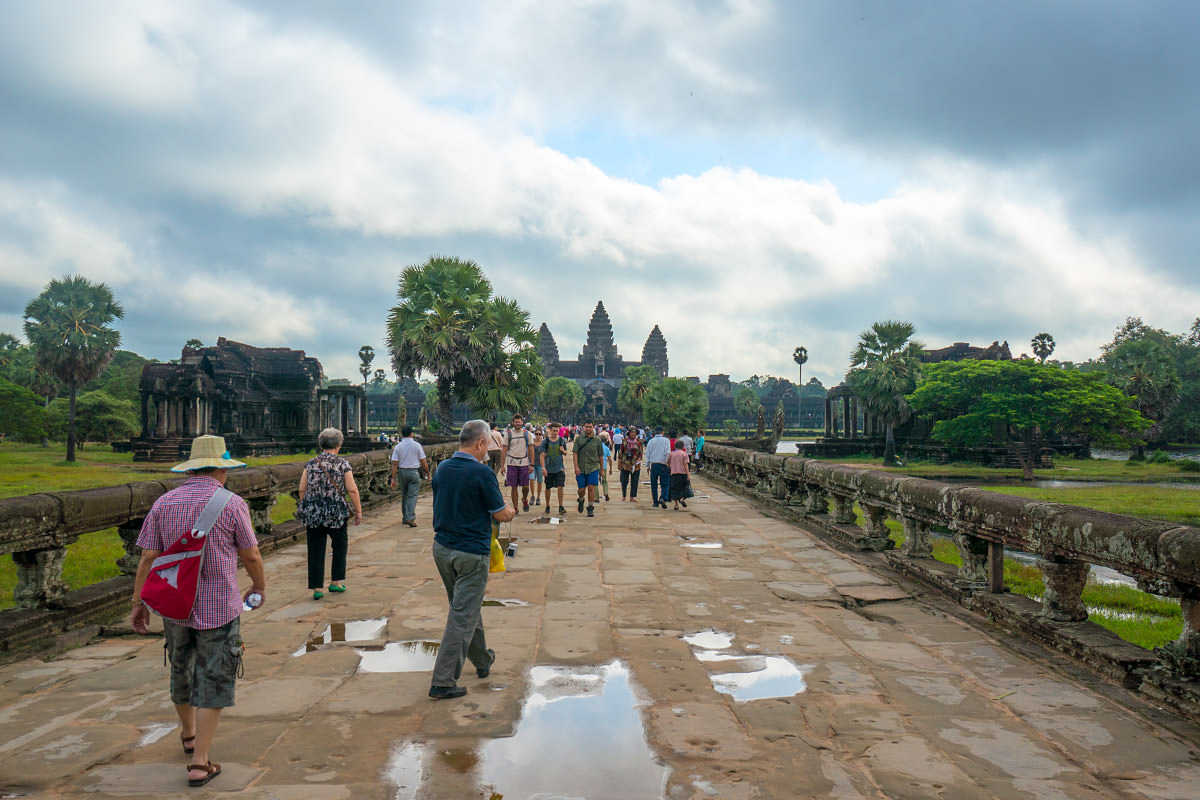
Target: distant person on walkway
495 445
605 464
687 443
629 463
552 456
409 463
658 450
538 479
204 651
465 501
699 450
677 463
323 511
516 453
587 452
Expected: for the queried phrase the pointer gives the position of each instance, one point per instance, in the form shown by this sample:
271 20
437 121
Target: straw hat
208 451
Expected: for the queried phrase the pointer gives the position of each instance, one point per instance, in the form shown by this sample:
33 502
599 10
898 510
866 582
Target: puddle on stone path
508 603
704 545
414 656
155 731
605 756
746 676
544 520
359 630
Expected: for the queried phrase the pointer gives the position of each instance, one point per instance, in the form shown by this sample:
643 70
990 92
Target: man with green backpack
551 454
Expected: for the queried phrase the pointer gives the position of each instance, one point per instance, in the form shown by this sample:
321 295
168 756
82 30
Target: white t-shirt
520 447
408 454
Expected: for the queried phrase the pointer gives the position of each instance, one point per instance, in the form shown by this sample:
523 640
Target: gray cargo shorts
204 663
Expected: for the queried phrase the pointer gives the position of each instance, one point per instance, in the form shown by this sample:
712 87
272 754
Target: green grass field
1069 469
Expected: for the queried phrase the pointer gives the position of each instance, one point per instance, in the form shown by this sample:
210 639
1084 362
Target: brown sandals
212 769
188 748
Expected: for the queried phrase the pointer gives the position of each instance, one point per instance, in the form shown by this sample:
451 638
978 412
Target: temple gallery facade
263 400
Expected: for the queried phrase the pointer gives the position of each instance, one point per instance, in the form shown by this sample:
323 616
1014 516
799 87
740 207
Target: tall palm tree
1043 346
800 356
366 354
883 369
448 324
68 327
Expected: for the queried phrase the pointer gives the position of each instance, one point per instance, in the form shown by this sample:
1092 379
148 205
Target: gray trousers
409 481
465 577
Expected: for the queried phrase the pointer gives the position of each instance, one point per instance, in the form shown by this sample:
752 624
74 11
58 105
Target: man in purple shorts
516 454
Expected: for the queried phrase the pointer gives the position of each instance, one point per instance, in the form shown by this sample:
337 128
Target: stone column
260 513
145 416
39 577
973 574
818 502
828 419
843 510
916 538
876 536
846 417
853 426
160 414
1065 578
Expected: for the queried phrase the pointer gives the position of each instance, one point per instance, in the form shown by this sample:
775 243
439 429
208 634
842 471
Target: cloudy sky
749 175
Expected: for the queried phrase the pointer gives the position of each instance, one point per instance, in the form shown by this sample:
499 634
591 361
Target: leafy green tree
100 417
21 413
637 383
883 370
68 327
9 346
731 429
378 379
449 325
193 344
561 398
676 404
745 402
1145 371
1042 345
121 379
976 402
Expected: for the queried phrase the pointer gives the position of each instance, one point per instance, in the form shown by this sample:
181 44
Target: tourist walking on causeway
605 464
323 511
658 450
465 501
494 447
205 649
629 462
516 453
677 463
408 462
538 479
699 450
552 455
587 453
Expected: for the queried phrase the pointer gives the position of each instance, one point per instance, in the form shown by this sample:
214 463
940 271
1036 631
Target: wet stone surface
780 690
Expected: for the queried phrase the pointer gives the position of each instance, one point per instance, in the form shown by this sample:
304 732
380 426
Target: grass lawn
1069 469
26 469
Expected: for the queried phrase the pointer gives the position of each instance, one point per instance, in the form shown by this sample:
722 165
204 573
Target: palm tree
68 327
800 356
883 369
448 324
1043 346
366 354
635 386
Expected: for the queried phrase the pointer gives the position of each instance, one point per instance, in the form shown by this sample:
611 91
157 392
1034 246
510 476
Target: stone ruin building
263 400
600 368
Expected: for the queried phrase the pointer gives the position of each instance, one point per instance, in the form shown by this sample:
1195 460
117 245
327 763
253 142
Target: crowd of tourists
195 535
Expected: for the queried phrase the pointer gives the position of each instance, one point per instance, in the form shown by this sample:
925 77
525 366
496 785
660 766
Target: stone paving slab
904 696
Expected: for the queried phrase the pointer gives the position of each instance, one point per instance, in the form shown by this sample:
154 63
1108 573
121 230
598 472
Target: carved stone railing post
1065 578
917 543
128 532
39 577
818 501
973 574
875 531
843 510
260 513
1190 637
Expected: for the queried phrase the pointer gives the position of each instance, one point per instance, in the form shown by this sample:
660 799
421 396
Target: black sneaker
446 692
547 509
580 505
591 511
483 672
561 510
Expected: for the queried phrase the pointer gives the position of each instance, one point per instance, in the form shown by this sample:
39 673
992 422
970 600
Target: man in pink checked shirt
206 650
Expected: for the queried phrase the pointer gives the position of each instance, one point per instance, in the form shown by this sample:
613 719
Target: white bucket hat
208 451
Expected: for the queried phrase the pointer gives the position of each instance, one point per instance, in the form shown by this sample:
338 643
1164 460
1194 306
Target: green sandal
333 588
318 594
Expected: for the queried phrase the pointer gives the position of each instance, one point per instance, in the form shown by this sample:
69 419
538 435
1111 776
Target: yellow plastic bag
497 560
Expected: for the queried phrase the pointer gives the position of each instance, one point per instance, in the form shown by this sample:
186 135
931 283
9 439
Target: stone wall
37 528
1163 557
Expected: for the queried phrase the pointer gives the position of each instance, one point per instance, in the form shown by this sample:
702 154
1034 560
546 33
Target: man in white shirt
408 459
658 450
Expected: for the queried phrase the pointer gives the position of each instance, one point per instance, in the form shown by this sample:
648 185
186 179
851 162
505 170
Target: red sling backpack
173 584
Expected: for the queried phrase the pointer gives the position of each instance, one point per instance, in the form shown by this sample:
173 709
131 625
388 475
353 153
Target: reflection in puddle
704 545
403 770
545 520
415 656
487 601
746 677
360 630
605 755
156 731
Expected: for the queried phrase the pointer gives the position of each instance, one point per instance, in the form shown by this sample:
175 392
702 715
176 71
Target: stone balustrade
1163 557
37 528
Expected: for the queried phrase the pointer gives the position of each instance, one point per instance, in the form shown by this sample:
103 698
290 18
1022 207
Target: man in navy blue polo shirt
466 499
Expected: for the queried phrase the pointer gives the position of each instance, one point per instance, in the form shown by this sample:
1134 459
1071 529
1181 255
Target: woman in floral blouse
322 509
629 462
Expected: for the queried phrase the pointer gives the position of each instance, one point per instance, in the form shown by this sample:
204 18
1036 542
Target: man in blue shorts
587 452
